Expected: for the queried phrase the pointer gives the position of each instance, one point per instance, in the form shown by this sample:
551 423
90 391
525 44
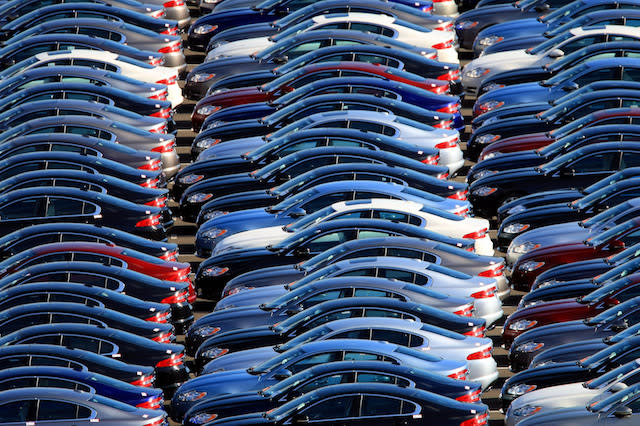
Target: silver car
58 406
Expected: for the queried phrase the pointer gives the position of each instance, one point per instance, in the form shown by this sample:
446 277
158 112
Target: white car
435 220
128 67
476 71
410 131
443 41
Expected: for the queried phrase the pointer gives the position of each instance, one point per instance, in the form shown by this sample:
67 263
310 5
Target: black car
112 278
578 168
77 359
346 306
324 375
167 359
24 207
214 272
45 233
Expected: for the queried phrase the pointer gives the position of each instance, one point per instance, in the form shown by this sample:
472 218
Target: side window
366 214
345 42
326 200
324 296
391 336
21 209
367 272
334 379
375 378
56 410
361 356
415 341
372 234
17 411
313 77
373 406
303 48
372 312
392 216
333 316
312 360
366 292
597 75
631 238
630 159
629 293
64 207
334 408
366 126
376 251
631 74
45 340
79 342
400 252
371 28
574 45
354 334
365 195
396 274
327 241
630 102
596 163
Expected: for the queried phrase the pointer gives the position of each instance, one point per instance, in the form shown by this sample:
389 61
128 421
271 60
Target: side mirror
567 172
8 62
620 325
622 412
617 244
283 12
556 53
570 87
285 374
302 251
293 311
609 303
279 60
542 8
617 387
300 419
297 212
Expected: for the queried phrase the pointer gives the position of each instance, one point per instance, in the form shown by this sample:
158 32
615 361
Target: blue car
83 381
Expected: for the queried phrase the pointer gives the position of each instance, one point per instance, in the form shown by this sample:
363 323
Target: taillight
451 75
460 195
493 272
445 124
485 294
153 220
464 213
145 381
174 47
476 235
154 403
479 420
444 45
476 332
431 159
170 31
168 81
460 375
158 14
159 422
453 143
173 3
173 361
177 297
158 202
156 62
427 8
162 128
165 147
170 256
161 317
448 26
163 113
150 183
465 312
164 338
483 354
470 397
153 165
450 109
160 95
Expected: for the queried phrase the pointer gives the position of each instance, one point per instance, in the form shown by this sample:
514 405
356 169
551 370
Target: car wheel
510 197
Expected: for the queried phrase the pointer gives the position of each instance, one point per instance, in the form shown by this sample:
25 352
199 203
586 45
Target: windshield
317 275
325 257
593 198
277 361
565 10
274 167
293 406
605 291
623 270
282 80
630 253
558 146
14 69
290 296
617 398
612 376
611 352
293 200
606 215
615 312
565 75
293 30
614 232
560 161
290 128
310 219
572 127
285 385
299 318
311 335
549 44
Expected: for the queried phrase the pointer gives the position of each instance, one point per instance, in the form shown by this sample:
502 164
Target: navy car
168 359
214 272
23 207
325 375
75 359
355 403
113 278
578 168
83 381
204 28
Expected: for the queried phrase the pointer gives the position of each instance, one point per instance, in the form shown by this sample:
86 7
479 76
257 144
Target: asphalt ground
183 234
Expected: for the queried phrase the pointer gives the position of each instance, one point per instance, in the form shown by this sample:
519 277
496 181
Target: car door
55 412
386 410
337 411
589 169
18 412
20 213
60 208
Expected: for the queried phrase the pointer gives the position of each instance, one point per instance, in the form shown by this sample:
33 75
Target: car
16 51
312 378
76 359
573 394
112 131
441 342
112 278
61 406
35 235
429 251
59 159
421 6
199 78
529 344
578 168
167 359
28 206
428 404
395 210
214 272
88 10
356 21
118 31
569 372
111 62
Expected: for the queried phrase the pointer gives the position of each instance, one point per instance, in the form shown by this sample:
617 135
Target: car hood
505 176
240 47
504 61
231 96
547 312
563 233
555 332
260 237
240 360
561 396
253 297
520 142
512 90
572 251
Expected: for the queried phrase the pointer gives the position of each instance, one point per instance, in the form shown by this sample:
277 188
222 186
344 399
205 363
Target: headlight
218 43
487 139
484 191
483 173
198 197
214 271
547 283
207 143
213 233
476 72
200 77
465 25
520 389
491 40
215 213
526 410
191 178
492 86
530 266
207 110
522 325
214 353
530 347
192 395
489 106
202 418
491 155
515 228
205 331
517 209
204 29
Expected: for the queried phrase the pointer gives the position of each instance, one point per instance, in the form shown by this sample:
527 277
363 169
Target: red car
531 264
629 115
570 309
102 253
308 74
